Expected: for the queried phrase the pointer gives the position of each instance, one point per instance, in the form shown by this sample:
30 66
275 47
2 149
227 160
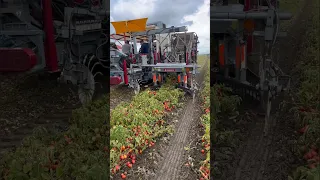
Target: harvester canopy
125 28
130 26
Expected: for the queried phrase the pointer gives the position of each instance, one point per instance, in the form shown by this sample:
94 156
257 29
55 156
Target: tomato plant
306 104
80 152
205 121
136 125
223 104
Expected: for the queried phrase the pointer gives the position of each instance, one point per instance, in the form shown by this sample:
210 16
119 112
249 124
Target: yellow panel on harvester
135 25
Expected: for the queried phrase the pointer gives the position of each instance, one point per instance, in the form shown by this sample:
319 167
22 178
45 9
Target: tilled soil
32 101
167 159
28 102
173 160
192 154
120 94
256 157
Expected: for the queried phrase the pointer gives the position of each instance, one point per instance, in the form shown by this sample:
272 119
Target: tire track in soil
259 158
171 165
261 171
170 168
256 154
248 158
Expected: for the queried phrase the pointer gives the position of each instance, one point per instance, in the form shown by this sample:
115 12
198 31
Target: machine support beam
247 15
50 47
161 31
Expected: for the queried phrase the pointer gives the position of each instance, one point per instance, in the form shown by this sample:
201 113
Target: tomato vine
135 126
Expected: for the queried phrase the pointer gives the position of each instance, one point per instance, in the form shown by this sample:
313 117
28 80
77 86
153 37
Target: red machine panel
115 80
17 59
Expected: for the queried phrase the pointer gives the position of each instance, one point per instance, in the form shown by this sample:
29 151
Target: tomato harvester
172 50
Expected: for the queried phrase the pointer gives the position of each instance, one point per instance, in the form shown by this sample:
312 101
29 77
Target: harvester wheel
93 73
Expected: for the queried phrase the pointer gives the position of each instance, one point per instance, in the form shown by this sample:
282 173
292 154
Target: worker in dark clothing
144 47
144 52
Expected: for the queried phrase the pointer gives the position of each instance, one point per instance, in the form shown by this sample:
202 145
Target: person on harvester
144 47
126 48
144 50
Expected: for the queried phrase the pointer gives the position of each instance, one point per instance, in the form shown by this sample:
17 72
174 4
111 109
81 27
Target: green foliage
303 173
223 104
205 120
307 107
136 125
77 153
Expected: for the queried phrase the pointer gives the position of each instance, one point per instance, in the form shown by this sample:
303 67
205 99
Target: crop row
306 106
205 121
79 153
224 107
136 125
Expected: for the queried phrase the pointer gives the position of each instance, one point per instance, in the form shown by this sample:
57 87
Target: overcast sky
191 13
